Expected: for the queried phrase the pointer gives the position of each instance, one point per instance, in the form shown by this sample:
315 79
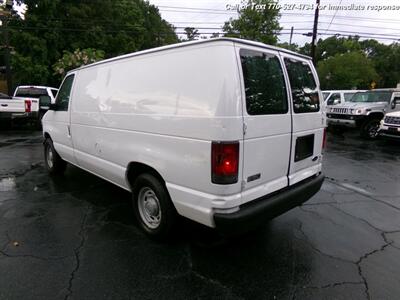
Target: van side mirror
395 101
44 102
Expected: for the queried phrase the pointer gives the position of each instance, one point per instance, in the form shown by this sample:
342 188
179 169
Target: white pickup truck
28 103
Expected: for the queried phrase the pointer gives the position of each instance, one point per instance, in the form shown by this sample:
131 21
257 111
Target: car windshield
384 96
31 92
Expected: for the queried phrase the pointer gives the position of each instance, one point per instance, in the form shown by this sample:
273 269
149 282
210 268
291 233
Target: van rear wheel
153 207
55 165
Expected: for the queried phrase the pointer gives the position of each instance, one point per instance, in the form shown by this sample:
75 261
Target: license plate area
304 147
392 129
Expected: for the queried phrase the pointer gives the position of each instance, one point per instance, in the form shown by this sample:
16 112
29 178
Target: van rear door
267 122
308 123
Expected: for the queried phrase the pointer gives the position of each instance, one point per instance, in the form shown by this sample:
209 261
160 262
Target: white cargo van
225 132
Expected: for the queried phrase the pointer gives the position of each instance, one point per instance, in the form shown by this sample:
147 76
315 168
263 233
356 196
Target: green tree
333 45
191 33
386 59
76 59
257 21
346 71
51 27
291 47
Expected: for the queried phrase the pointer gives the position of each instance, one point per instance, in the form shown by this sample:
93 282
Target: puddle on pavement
7 184
17 140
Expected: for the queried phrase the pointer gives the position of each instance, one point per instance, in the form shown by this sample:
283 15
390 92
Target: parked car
364 111
29 103
390 125
213 139
336 97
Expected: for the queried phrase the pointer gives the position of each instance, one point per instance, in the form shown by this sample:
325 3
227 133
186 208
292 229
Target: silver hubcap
149 208
373 130
49 157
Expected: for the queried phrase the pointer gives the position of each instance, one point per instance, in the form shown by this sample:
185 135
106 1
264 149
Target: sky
369 18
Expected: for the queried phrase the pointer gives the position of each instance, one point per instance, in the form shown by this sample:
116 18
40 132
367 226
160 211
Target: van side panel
161 109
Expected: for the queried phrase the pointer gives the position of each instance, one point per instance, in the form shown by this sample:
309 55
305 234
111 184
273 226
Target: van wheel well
135 169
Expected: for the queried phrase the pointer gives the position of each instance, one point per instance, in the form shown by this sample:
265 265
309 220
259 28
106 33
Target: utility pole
315 32
291 36
7 59
4 16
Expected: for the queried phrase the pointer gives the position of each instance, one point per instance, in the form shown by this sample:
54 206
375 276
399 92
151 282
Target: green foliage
291 47
347 71
51 27
384 59
191 33
255 24
73 60
26 70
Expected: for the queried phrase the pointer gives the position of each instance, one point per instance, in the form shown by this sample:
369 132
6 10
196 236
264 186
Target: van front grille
392 120
337 110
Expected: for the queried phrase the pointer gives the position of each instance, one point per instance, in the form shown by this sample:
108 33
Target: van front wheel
55 165
153 207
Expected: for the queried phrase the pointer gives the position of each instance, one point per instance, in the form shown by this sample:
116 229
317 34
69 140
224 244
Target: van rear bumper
256 212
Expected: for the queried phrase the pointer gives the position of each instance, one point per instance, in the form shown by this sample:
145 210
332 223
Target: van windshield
372 96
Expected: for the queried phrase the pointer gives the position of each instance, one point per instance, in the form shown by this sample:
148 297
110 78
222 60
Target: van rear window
304 88
264 83
31 92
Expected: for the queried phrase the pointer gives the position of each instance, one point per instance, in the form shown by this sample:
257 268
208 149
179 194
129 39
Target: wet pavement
75 237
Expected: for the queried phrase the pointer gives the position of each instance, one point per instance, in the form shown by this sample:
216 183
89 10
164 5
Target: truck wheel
54 163
153 207
370 129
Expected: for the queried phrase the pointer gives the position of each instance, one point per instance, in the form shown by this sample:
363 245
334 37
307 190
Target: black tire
164 225
370 129
55 165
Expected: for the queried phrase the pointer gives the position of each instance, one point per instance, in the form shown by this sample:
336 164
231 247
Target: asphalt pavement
74 237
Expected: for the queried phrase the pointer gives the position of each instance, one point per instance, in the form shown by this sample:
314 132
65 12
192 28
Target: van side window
264 83
64 93
331 100
304 89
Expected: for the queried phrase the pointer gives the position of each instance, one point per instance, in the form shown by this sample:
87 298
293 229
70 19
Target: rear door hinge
244 128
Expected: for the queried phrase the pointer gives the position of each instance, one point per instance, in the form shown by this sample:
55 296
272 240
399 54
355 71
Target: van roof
192 43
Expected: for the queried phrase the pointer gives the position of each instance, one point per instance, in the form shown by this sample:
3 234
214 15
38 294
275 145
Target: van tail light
324 140
28 105
224 162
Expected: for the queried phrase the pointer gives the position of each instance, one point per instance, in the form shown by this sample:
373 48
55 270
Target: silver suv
364 111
